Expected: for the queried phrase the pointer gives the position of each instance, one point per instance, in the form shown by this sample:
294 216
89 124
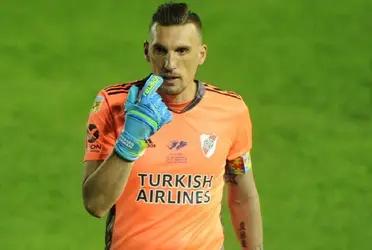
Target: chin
171 90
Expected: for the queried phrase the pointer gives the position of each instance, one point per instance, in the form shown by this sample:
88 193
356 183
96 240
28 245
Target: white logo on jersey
208 144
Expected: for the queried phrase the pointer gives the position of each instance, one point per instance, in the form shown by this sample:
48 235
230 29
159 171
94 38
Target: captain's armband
238 166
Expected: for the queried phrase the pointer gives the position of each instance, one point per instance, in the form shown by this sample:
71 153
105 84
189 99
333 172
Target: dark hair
175 14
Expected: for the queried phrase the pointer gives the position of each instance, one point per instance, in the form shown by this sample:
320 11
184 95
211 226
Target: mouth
170 78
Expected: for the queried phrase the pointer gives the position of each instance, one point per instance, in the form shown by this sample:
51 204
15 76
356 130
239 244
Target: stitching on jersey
222 92
117 92
123 86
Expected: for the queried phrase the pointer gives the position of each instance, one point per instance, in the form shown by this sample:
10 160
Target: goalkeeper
160 150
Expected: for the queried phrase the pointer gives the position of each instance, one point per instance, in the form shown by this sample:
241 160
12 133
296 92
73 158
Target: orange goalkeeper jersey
172 199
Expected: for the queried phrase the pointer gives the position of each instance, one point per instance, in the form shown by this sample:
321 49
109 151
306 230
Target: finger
151 86
132 96
166 116
156 101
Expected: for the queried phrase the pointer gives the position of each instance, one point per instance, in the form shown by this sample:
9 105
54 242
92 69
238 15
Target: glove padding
145 114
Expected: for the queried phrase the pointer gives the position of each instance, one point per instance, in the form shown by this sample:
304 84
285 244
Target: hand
145 114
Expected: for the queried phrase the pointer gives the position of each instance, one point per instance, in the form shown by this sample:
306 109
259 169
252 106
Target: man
159 149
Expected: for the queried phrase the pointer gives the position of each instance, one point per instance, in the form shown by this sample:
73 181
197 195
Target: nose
170 62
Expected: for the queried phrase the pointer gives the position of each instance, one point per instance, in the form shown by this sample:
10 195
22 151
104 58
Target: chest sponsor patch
208 143
176 189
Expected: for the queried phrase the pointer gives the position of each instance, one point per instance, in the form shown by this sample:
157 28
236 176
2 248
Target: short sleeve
243 136
101 136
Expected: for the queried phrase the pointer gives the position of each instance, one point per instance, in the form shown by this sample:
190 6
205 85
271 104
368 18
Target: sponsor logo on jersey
176 145
92 136
150 143
176 156
174 189
94 147
97 104
92 133
208 144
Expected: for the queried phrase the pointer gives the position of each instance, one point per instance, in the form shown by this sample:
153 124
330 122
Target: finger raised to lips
151 86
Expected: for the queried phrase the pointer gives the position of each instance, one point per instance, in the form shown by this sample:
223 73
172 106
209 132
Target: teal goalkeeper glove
145 114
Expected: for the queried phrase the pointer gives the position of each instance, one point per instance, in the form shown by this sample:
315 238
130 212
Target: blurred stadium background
303 67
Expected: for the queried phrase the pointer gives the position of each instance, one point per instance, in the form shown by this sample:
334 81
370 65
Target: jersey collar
200 91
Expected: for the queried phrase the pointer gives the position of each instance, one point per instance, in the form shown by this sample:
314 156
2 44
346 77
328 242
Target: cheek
156 61
191 64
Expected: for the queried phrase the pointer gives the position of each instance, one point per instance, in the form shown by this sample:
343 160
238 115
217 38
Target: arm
103 182
145 114
244 204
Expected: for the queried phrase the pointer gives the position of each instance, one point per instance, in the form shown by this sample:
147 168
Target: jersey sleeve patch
96 104
240 165
100 133
92 136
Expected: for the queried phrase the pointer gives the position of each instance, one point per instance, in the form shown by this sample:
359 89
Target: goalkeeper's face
175 53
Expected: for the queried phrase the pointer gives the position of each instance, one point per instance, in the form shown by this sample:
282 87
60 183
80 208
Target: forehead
174 35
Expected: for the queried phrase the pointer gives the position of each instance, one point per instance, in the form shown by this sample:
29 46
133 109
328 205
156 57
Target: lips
170 77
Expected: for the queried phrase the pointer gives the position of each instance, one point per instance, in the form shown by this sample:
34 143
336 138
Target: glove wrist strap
129 148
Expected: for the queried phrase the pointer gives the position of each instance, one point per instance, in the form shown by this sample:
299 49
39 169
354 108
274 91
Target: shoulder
216 90
114 96
118 90
230 99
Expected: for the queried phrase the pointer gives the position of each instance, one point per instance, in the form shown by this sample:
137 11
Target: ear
203 53
146 50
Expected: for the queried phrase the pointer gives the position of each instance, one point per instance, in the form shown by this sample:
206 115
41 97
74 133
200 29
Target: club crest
208 144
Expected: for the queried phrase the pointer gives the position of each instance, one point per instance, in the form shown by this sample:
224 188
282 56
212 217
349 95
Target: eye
160 50
183 50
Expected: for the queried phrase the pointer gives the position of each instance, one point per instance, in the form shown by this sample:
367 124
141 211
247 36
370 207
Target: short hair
175 14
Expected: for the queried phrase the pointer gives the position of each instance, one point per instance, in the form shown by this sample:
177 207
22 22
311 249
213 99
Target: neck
187 95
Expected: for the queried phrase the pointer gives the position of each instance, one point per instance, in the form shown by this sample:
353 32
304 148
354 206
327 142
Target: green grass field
303 67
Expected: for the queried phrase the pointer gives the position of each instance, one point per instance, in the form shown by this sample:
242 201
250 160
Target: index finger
151 86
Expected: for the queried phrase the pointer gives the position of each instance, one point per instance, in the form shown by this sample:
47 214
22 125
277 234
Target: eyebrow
158 45
182 46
